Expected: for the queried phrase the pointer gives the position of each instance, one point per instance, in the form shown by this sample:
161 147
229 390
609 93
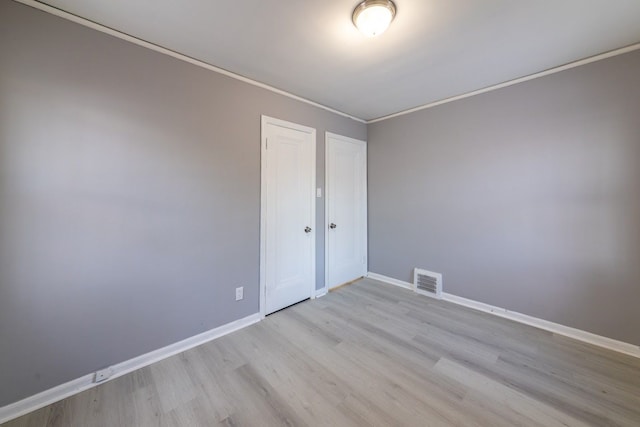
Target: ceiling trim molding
37 4
554 70
115 33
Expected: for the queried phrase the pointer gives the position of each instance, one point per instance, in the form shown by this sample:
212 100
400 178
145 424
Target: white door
288 214
346 209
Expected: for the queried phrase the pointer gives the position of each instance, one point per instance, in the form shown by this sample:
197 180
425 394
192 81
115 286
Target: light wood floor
370 354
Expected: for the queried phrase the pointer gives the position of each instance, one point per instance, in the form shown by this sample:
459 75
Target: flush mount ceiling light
372 17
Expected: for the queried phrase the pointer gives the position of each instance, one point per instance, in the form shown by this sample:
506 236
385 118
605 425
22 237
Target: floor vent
427 283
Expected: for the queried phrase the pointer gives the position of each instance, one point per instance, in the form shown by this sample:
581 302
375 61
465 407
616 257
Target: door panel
346 209
288 186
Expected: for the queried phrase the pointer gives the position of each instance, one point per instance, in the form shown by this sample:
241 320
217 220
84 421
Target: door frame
364 242
264 121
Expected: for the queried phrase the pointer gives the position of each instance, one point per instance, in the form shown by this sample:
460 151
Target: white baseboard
390 280
47 397
321 292
55 394
578 334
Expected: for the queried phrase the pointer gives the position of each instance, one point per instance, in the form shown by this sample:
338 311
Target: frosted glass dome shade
372 17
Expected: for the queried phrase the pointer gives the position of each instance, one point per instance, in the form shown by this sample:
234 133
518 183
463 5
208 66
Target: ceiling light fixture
372 17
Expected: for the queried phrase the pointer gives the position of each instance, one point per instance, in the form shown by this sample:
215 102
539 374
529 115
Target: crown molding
157 48
508 83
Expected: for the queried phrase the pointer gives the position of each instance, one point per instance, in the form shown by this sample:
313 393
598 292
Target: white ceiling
433 50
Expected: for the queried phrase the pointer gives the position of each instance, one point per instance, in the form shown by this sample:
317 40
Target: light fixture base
372 17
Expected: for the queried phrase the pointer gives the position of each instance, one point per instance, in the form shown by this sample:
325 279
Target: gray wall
526 198
129 198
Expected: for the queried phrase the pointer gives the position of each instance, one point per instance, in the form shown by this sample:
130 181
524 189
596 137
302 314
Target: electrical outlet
102 375
239 293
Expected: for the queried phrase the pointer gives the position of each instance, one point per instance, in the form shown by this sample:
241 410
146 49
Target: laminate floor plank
532 410
369 354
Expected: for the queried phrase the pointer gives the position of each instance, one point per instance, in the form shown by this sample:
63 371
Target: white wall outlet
102 375
239 293
318 192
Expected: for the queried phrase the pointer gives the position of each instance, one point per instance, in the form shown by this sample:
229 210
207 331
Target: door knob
332 226
307 229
